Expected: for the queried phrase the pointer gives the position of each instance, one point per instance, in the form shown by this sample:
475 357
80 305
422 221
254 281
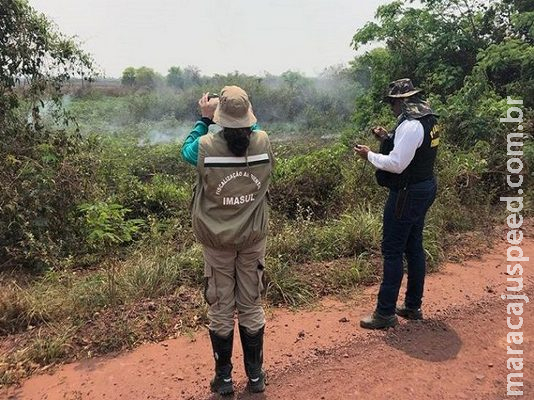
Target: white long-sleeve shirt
409 136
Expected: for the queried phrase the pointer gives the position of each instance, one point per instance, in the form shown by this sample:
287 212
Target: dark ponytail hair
237 139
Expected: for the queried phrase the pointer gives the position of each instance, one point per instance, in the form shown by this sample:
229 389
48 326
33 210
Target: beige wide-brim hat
234 109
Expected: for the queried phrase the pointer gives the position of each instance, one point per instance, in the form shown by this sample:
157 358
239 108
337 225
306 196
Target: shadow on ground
427 340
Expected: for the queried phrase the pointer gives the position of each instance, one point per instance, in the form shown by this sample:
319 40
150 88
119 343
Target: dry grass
156 293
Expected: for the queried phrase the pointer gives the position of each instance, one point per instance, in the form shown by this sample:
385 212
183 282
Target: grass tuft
284 287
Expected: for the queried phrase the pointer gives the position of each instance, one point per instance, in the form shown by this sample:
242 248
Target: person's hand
380 132
362 151
207 107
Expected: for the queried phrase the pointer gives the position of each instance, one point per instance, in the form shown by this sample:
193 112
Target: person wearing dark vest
230 218
405 165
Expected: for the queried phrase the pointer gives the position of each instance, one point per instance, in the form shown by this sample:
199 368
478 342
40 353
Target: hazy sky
218 36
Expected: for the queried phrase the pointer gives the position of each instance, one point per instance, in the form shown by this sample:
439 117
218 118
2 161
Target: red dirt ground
458 352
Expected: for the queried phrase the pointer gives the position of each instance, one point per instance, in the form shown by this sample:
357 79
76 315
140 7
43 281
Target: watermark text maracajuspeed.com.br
515 296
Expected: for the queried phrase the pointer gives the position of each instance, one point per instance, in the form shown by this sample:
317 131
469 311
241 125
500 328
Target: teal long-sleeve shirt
190 146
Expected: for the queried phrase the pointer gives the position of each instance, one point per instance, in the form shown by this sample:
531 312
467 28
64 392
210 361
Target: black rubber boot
222 352
253 357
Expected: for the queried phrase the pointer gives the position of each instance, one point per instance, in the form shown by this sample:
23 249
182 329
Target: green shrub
307 185
351 235
165 197
106 224
306 240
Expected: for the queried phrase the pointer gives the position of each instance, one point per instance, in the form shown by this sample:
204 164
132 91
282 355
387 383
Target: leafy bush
43 176
106 224
307 184
165 197
41 173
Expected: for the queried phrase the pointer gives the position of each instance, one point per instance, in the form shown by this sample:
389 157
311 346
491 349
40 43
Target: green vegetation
467 56
96 249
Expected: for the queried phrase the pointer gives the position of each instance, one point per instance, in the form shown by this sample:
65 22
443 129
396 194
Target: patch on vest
237 200
231 198
234 175
434 135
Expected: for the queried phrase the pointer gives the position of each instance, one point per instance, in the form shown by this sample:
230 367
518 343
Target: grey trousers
234 280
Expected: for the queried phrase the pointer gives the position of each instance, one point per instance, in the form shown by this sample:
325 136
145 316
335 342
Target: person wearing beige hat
230 218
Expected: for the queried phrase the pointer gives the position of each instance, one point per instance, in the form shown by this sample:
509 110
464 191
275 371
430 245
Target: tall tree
191 76
436 44
146 77
36 190
128 76
175 77
442 43
34 56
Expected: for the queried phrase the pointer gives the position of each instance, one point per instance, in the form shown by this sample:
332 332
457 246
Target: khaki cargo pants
235 280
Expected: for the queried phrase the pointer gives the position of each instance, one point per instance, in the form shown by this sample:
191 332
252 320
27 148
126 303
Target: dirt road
459 352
